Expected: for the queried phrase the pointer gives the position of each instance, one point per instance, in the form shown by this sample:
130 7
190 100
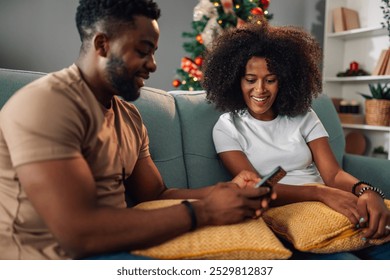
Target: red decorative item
227 6
257 11
176 83
354 66
191 68
265 4
353 70
198 61
199 39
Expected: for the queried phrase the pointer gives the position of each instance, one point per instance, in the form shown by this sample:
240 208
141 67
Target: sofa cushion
12 80
159 114
326 111
312 226
370 169
251 239
197 119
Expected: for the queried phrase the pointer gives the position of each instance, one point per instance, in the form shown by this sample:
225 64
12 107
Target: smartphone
272 178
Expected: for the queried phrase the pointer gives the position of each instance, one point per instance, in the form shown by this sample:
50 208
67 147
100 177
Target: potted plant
377 105
386 15
379 152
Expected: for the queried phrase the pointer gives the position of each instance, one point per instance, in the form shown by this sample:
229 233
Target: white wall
38 35
41 35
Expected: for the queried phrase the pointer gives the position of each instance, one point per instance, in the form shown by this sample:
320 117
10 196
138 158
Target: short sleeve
225 134
312 127
39 124
144 151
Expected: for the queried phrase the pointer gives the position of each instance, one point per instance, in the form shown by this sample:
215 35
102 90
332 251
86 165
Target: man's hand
228 204
249 179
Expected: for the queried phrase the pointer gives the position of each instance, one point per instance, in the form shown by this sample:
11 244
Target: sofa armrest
373 170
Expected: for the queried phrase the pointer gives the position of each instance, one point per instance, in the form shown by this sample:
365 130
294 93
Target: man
69 147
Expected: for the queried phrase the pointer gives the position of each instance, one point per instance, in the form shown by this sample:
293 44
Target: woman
266 78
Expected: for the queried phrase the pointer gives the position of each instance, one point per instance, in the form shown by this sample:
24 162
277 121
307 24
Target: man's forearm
108 229
173 193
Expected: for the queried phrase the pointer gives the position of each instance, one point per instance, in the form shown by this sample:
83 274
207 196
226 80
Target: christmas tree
209 19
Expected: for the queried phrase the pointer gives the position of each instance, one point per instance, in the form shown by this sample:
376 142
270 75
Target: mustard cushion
315 227
248 240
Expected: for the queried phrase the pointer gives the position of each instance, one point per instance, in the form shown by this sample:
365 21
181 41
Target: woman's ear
101 44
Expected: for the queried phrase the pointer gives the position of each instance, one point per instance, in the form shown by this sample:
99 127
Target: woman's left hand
246 179
375 216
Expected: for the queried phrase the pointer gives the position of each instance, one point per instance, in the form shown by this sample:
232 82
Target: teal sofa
180 125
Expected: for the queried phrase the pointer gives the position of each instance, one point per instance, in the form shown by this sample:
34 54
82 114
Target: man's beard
118 75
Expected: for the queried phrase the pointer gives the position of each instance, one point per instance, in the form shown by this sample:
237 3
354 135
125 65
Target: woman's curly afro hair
292 54
111 12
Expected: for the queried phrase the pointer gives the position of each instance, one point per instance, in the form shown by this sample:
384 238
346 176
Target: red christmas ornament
198 61
227 4
354 66
257 11
265 4
199 39
176 83
191 67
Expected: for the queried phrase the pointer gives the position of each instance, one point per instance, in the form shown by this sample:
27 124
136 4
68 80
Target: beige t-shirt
58 117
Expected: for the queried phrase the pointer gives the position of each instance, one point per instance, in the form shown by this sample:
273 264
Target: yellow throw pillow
315 227
248 240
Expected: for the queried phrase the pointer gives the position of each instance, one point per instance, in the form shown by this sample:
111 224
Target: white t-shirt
267 144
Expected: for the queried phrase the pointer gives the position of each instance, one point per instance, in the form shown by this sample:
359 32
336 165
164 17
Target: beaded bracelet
358 184
374 189
191 211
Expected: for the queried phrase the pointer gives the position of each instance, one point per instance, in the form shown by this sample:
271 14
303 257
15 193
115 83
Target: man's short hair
110 13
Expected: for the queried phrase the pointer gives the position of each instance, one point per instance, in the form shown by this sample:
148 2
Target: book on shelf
387 71
351 18
338 22
383 66
345 19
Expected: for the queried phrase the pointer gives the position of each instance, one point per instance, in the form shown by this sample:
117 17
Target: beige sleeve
144 151
39 124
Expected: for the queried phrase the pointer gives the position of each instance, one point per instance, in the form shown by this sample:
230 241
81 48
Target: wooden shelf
359 33
366 127
357 79
384 130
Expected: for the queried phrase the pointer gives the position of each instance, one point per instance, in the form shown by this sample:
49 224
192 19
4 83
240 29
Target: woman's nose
259 86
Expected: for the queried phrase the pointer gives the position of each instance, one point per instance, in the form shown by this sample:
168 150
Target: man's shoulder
48 82
55 95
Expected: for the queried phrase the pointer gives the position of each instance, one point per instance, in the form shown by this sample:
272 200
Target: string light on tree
210 17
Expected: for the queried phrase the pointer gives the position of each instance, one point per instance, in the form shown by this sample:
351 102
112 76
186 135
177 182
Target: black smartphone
272 178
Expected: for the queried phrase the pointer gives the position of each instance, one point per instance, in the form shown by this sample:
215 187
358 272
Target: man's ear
101 44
